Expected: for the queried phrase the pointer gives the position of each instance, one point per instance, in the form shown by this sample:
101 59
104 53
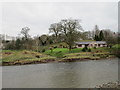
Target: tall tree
55 28
26 38
70 28
25 31
96 38
97 30
101 36
18 44
110 37
36 42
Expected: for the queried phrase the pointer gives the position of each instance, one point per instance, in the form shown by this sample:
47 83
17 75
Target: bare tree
55 29
36 43
70 28
25 31
27 44
96 30
110 37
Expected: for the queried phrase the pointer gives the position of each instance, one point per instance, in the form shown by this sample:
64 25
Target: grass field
78 53
61 51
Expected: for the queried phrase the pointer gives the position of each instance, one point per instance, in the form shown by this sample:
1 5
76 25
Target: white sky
38 16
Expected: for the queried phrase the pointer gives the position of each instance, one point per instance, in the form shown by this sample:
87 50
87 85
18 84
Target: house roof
98 42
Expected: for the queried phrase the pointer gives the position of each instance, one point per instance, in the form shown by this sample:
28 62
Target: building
91 44
6 37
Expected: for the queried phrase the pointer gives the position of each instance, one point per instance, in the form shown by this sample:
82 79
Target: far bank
24 57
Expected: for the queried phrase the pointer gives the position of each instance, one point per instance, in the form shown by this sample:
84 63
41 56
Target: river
85 74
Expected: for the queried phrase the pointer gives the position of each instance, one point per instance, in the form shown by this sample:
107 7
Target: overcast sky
39 16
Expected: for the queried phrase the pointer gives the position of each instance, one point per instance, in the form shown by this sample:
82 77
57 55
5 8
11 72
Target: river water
85 74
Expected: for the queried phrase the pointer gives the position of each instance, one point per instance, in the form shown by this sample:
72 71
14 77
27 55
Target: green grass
102 52
116 46
62 51
76 50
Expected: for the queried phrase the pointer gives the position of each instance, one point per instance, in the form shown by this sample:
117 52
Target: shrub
51 41
60 46
94 47
37 56
39 51
89 50
43 50
10 46
85 49
55 46
64 47
51 48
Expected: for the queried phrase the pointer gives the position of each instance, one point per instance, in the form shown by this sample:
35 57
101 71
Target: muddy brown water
85 74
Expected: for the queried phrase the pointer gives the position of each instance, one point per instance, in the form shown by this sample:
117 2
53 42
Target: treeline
66 30
106 35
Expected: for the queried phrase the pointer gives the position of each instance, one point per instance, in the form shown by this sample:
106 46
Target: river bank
25 57
26 62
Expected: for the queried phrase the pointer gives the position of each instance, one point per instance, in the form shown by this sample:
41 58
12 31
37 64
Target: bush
64 47
37 56
43 50
51 41
55 47
60 46
94 47
37 51
10 46
85 49
51 48
89 50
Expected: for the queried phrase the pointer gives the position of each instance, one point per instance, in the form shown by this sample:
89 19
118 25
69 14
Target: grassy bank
22 57
65 52
59 52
